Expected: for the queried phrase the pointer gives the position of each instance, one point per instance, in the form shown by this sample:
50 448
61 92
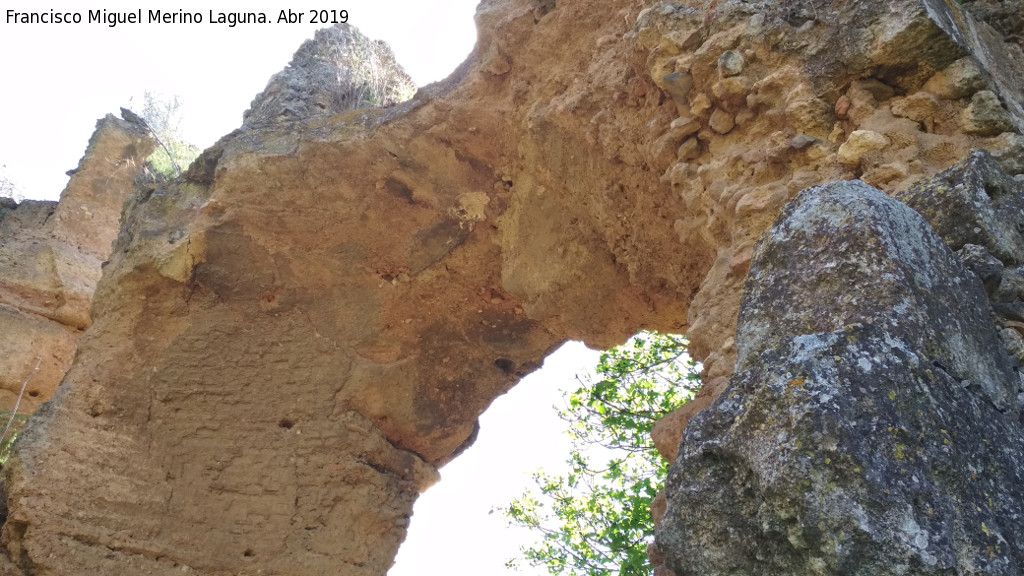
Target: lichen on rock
974 202
869 427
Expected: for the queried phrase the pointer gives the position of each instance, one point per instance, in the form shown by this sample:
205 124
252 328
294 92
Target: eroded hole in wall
505 365
520 434
286 423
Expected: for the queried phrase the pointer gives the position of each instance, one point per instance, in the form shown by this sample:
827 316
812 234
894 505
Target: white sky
59 79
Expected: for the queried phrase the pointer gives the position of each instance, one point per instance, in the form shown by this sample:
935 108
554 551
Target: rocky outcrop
50 261
338 70
289 340
872 425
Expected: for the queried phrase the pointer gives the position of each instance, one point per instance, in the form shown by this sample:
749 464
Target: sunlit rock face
50 261
289 340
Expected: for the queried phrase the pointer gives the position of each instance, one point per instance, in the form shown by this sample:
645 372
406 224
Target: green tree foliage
17 424
173 154
596 520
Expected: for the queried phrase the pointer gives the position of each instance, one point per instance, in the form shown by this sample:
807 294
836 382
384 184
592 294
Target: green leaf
596 520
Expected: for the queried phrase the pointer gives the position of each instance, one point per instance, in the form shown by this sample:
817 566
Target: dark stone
204 168
987 267
1009 310
678 85
974 202
801 141
853 255
133 118
870 426
1011 286
542 7
435 242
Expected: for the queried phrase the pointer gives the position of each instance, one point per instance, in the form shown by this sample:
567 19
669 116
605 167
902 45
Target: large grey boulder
870 428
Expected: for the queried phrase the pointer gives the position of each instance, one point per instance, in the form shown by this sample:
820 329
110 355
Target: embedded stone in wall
974 202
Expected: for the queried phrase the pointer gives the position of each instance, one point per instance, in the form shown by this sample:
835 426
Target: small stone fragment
837 134
860 143
959 80
1011 157
721 121
842 107
541 8
1014 343
731 93
885 174
817 152
763 199
730 63
878 89
683 126
801 141
689 150
646 32
686 39
919 106
1009 310
679 175
664 149
985 115
862 103
1011 286
678 86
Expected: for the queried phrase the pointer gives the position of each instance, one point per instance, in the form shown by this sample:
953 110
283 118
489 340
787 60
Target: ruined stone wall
50 261
289 341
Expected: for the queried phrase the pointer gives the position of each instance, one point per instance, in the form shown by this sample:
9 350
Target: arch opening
549 431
